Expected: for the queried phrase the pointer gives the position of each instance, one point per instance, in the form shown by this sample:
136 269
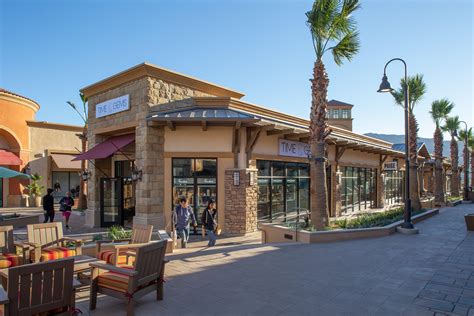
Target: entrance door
111 202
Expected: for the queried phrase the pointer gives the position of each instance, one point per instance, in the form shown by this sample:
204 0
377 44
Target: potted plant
35 190
469 218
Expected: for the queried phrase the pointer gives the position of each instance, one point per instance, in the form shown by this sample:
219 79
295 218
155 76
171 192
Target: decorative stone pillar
240 201
381 189
149 148
337 189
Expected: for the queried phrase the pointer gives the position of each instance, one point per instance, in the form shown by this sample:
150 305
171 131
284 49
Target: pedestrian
48 206
209 221
57 186
65 206
181 217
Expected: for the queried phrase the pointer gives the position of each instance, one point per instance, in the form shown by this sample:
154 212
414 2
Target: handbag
218 230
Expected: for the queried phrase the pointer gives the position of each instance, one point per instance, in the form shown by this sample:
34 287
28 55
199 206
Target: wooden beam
383 158
238 124
252 137
339 152
281 131
204 125
171 125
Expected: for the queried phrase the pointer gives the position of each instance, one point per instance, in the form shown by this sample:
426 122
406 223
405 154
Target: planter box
454 203
272 233
21 221
469 218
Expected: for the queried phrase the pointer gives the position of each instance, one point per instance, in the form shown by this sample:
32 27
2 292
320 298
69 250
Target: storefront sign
293 149
112 106
392 166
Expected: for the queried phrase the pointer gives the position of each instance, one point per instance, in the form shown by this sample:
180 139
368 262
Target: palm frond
416 91
440 110
451 125
347 48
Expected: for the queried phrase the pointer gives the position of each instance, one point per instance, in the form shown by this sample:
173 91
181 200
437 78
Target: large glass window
345 114
359 189
393 186
64 181
283 188
195 179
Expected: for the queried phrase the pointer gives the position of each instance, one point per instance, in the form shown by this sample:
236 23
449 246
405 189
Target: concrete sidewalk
424 274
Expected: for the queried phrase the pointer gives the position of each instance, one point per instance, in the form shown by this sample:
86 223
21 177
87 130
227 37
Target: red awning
107 148
8 158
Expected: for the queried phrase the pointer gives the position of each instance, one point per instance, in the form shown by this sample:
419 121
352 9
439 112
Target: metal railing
294 217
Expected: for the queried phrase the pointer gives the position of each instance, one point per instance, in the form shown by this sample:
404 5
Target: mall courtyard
426 274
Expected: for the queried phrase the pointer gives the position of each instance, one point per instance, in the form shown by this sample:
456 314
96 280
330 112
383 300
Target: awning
64 161
8 173
107 148
8 158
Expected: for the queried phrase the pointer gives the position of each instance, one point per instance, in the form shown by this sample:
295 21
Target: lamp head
71 104
385 85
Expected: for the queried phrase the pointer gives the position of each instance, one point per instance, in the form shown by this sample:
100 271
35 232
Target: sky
51 49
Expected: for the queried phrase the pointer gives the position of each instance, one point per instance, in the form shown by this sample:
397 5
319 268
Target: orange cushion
109 257
115 281
54 253
8 260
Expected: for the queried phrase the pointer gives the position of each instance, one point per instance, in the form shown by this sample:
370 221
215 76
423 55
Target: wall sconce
236 178
136 174
252 178
85 175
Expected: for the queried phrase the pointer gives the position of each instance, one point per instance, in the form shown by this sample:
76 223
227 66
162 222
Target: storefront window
393 187
64 181
283 188
358 189
195 179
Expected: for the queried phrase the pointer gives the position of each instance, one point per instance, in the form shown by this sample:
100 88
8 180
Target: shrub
118 232
372 220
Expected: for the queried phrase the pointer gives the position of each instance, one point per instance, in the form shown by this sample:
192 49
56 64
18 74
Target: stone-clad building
156 135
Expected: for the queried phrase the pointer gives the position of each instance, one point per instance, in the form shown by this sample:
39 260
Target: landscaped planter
19 220
469 218
454 203
272 233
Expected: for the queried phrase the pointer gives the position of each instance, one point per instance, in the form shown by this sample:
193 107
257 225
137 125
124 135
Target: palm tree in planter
332 30
416 89
452 126
440 110
470 140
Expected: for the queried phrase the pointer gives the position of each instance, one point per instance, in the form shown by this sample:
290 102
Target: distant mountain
396 139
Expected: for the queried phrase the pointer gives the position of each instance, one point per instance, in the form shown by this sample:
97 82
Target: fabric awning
64 161
107 148
8 173
8 158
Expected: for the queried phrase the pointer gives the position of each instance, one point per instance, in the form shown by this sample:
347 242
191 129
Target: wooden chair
131 282
140 234
39 288
8 256
47 242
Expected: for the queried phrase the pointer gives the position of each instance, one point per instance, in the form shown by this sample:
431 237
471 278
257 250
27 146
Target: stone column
337 189
241 202
381 189
149 148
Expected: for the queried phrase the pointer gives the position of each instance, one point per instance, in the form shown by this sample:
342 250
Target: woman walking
65 206
209 221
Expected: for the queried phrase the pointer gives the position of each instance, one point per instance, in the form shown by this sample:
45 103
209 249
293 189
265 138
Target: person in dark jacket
209 221
181 217
48 206
65 206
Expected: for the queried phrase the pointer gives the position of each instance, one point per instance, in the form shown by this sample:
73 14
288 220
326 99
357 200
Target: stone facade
380 189
336 188
240 202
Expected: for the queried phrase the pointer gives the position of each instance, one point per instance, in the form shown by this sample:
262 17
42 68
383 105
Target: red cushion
8 260
53 253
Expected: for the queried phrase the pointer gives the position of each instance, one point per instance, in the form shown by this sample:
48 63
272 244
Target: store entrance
196 180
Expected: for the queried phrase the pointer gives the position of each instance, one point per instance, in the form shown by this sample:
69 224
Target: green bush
371 220
34 188
118 232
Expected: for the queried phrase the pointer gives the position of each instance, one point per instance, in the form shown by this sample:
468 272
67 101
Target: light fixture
85 175
136 174
385 85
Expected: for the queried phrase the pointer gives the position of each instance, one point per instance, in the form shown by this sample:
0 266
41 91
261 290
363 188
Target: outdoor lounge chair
140 234
8 256
39 288
47 242
131 282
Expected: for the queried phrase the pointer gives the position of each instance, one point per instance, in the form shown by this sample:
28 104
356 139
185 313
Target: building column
241 201
149 148
337 191
381 189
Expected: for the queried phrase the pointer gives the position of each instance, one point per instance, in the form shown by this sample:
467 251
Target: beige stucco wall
194 139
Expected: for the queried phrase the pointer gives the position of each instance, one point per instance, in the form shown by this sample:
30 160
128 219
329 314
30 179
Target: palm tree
416 89
440 110
470 140
332 30
452 126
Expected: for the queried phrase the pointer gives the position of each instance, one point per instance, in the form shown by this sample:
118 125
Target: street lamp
466 163
385 87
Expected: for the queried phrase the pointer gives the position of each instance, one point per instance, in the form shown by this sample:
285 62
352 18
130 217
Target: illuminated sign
112 106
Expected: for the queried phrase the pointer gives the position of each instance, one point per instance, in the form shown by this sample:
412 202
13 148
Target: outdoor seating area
42 273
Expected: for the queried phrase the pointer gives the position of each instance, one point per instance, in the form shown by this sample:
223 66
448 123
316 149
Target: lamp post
82 204
466 163
385 87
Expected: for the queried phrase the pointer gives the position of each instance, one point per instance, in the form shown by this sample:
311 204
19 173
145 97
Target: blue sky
51 49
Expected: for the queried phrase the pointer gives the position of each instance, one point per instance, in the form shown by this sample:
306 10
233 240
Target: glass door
278 198
291 195
110 202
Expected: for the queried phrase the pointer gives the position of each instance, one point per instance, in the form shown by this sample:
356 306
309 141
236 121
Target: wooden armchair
39 288
141 234
129 283
8 256
47 242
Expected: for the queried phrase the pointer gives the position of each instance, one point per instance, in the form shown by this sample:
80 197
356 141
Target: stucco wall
194 139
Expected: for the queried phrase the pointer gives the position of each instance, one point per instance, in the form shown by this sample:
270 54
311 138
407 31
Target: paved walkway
425 274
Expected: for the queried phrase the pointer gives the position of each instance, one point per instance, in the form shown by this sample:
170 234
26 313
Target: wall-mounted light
85 175
252 178
136 174
236 178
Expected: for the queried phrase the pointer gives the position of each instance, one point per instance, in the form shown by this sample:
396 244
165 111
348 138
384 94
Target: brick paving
427 274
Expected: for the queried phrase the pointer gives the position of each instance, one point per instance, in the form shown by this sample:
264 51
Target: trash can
469 218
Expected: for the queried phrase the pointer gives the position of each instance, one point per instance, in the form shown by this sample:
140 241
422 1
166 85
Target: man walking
48 206
181 217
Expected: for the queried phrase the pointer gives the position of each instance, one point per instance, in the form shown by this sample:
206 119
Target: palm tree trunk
472 168
82 203
414 187
319 130
454 167
438 185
